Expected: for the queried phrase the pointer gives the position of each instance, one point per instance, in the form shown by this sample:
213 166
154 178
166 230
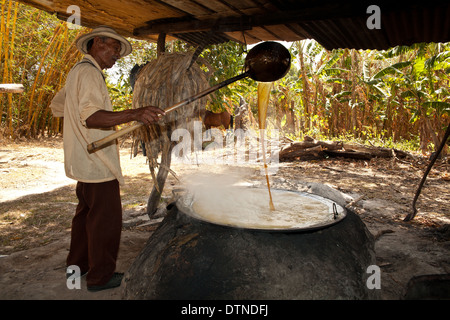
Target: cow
211 119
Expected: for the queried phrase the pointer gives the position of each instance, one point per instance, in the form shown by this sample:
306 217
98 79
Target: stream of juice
263 101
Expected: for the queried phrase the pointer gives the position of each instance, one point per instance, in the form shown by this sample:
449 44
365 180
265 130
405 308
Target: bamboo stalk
6 35
2 25
41 110
33 89
6 71
24 65
11 60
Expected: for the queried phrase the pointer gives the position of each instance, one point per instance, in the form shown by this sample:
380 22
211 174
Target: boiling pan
336 213
266 62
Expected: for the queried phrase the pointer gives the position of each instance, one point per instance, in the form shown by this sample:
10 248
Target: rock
323 190
327 192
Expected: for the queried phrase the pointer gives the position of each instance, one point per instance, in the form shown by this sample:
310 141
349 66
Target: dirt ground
37 203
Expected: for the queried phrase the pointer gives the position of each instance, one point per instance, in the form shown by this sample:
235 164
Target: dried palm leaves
164 82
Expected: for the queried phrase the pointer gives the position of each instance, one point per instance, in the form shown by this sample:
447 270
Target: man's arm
108 119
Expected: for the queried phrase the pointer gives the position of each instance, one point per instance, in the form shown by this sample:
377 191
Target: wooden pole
412 214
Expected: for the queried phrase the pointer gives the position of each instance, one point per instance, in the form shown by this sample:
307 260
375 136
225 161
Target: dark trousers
96 230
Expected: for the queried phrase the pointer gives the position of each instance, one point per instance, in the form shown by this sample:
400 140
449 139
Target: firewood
309 149
380 152
350 154
315 152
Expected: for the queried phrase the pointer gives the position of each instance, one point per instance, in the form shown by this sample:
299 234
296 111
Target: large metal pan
332 215
266 62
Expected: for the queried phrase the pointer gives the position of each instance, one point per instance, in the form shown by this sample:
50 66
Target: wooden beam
331 10
11 88
175 26
244 22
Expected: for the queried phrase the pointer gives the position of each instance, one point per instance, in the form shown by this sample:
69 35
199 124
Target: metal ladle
266 62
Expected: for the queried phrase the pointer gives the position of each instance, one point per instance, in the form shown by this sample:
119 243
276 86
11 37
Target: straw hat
103 31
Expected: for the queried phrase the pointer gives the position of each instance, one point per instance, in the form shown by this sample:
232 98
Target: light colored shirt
85 93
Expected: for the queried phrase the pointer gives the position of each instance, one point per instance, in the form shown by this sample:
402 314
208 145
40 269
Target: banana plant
428 93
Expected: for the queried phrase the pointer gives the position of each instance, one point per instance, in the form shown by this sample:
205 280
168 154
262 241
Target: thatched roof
334 24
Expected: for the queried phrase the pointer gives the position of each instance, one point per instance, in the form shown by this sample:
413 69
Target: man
88 116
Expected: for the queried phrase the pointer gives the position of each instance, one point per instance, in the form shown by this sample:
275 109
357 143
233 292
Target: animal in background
212 119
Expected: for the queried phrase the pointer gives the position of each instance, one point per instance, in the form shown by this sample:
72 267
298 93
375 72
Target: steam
227 191
230 198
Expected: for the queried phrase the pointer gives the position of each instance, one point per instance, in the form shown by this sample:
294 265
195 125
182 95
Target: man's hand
107 119
148 115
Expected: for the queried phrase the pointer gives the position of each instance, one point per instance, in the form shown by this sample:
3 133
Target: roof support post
161 45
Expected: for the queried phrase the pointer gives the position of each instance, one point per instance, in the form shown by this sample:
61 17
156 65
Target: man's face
107 51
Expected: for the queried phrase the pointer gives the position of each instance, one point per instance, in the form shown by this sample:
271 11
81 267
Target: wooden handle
102 142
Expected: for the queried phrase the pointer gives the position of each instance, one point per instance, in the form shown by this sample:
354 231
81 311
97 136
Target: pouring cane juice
264 89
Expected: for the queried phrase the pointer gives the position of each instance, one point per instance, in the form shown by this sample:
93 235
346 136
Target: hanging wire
245 43
245 40
335 212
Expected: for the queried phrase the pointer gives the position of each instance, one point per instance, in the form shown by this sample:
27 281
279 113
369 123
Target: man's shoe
114 282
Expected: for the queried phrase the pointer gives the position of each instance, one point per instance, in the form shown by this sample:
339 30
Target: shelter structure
334 24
